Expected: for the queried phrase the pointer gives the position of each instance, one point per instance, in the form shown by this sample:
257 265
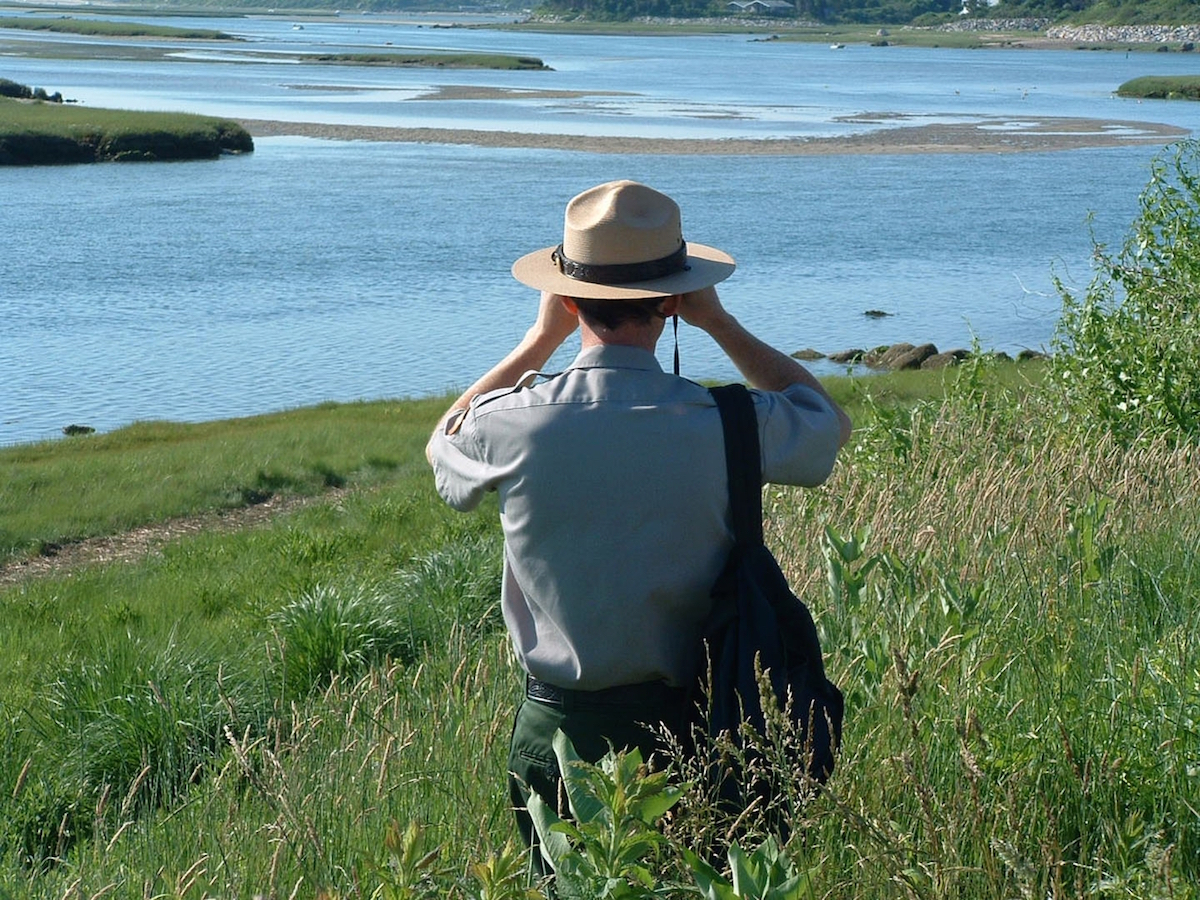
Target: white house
762 7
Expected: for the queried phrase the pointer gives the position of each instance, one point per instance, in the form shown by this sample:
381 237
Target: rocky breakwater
895 357
1126 34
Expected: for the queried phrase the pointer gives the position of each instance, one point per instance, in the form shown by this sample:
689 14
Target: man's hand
702 308
762 365
555 322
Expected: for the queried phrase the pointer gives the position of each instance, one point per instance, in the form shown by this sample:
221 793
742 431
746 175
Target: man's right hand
761 364
702 308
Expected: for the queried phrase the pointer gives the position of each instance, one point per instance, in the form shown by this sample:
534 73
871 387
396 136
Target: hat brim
706 266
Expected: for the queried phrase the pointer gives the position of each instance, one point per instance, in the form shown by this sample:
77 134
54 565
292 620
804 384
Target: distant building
762 7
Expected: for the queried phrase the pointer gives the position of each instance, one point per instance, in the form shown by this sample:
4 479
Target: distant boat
297 27
837 46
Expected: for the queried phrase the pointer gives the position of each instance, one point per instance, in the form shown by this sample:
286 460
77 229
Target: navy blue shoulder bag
755 613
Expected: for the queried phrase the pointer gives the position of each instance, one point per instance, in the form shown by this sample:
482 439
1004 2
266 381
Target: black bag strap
743 463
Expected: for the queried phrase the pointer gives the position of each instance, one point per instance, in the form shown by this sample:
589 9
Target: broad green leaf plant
607 848
611 846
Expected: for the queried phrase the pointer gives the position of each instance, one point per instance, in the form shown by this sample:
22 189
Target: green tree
1128 350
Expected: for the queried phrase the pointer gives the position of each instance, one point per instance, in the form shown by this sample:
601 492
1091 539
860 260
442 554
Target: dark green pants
592 722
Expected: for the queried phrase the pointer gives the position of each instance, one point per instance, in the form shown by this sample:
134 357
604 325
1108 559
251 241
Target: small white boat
837 46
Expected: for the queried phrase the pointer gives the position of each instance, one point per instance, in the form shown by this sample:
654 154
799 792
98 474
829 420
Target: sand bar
1001 135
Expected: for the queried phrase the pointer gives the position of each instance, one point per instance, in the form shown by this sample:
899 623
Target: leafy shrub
9 88
1127 349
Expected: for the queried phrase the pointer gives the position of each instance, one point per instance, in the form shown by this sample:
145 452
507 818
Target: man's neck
645 338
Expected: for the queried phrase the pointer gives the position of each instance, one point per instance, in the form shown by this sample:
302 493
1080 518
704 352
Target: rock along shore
1125 34
902 356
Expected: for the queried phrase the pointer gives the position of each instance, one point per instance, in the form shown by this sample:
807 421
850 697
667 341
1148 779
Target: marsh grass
54 133
1162 87
102 28
1010 609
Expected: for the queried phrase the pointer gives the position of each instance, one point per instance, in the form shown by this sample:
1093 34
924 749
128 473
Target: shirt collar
616 356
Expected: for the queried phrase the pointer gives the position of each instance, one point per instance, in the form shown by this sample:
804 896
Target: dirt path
137 543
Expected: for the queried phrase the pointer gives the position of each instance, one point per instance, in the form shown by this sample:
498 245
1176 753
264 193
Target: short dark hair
612 314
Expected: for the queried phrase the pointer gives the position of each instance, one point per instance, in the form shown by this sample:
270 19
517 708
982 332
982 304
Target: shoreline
1027 135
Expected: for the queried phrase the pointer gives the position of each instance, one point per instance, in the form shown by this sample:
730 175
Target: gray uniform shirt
614 505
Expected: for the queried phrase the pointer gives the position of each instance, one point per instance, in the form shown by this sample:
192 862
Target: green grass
59 491
56 492
248 713
101 28
434 60
51 133
1162 87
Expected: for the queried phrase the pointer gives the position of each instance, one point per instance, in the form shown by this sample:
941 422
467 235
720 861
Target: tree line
921 12
1117 12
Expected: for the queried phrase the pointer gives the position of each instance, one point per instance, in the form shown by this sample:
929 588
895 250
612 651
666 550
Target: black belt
647 692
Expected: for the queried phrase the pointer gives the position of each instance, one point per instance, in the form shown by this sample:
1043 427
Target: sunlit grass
60 491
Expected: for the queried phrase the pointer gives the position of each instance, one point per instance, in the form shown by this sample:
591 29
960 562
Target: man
611 476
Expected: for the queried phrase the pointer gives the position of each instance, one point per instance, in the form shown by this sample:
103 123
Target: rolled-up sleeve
460 472
799 433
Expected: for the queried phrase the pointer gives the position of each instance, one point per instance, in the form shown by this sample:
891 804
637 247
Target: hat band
622 273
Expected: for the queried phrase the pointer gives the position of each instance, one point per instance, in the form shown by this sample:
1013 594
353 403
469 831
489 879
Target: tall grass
126 746
1014 628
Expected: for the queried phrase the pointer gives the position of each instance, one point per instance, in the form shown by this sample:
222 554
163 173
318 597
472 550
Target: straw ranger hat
623 241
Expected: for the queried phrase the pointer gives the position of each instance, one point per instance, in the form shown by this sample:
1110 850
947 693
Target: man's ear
669 305
570 305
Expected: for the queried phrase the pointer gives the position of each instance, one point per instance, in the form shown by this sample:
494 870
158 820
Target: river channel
318 269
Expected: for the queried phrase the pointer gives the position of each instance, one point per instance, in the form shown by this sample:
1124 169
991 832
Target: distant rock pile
894 357
1126 34
1084 34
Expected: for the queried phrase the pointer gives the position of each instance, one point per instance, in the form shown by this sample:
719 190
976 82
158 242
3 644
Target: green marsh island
1162 87
41 129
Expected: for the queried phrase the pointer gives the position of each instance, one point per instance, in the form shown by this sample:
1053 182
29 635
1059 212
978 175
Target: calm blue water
314 270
